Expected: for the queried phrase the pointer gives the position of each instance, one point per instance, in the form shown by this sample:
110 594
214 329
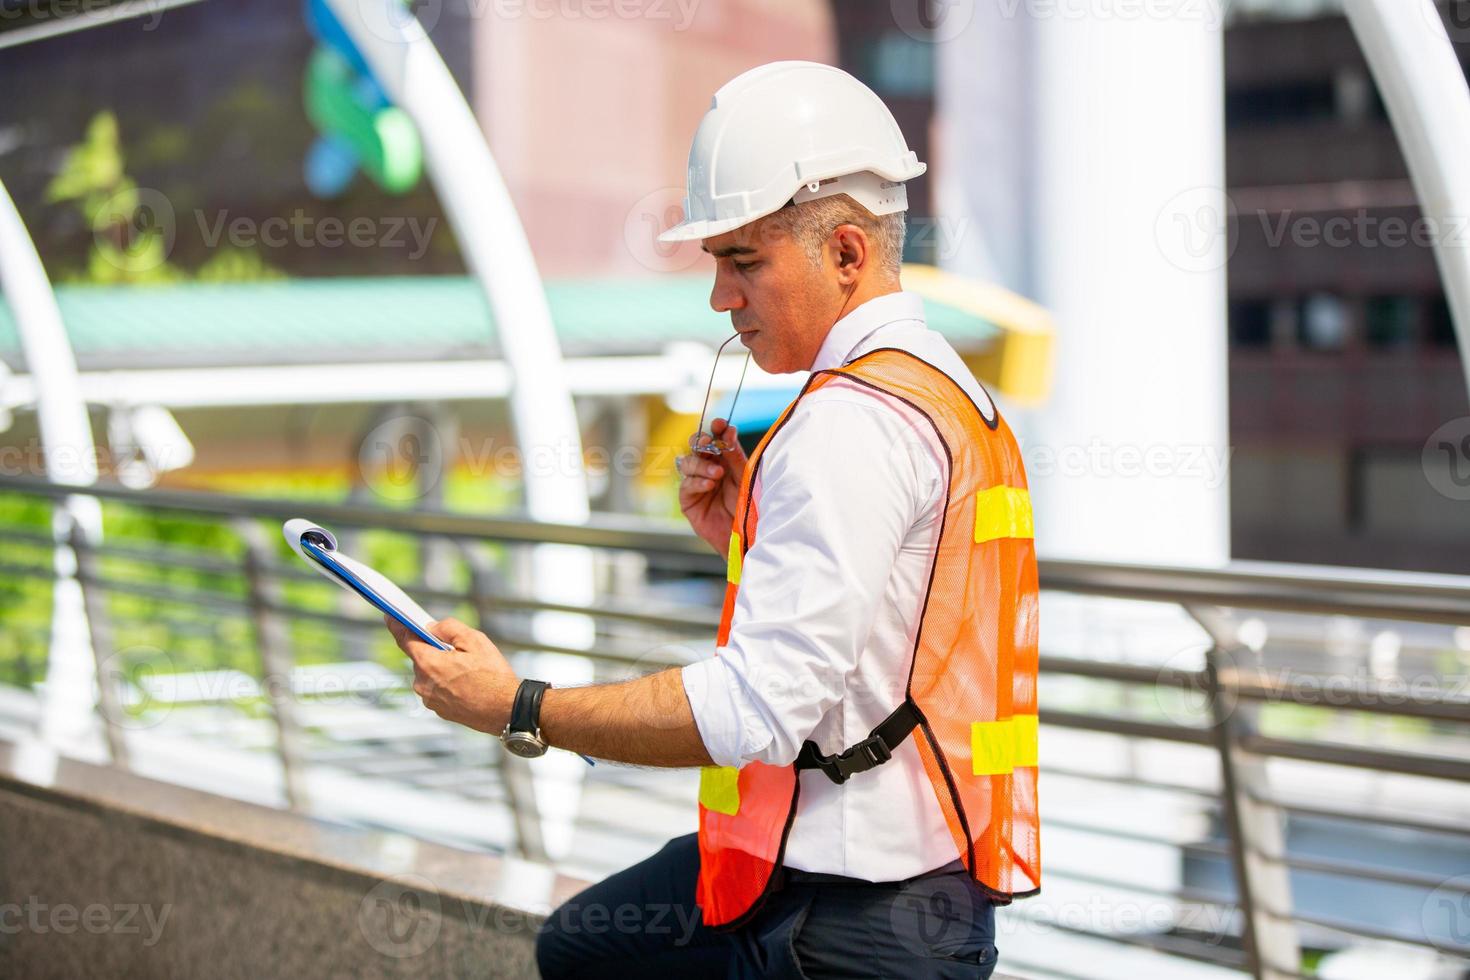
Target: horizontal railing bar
1112 671
240 605
1419 596
10 533
171 557
1254 585
693 621
1346 869
1199 952
1359 697
1369 932
1206 847
1133 781
1363 816
1402 763
1197 896
1125 726
600 530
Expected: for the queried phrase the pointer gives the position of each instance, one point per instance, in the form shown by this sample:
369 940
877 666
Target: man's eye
743 266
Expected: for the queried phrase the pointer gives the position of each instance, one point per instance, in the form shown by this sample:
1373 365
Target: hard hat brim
699 229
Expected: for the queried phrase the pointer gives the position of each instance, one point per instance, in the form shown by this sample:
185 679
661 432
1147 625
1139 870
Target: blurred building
1342 353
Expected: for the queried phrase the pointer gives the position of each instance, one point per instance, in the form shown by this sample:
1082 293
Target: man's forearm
644 722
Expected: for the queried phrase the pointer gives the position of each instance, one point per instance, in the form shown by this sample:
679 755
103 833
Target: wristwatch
522 734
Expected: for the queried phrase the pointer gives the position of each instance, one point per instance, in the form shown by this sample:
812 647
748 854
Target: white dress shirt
821 642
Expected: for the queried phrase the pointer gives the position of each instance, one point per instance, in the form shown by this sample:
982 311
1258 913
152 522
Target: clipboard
318 548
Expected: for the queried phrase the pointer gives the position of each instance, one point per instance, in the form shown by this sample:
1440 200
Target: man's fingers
407 642
700 474
458 634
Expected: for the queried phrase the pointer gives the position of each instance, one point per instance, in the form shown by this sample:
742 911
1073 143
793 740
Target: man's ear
850 252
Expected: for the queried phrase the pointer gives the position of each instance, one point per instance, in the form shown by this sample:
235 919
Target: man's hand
471 685
710 487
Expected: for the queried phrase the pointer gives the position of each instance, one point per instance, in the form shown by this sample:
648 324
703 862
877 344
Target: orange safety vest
971 691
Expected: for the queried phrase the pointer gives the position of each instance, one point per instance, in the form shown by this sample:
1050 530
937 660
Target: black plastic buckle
871 751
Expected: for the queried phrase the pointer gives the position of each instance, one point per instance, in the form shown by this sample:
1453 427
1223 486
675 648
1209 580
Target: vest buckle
871 751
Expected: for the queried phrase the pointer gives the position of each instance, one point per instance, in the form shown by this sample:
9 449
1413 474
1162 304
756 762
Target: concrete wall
107 874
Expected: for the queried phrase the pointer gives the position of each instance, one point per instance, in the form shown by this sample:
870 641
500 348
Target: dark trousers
642 922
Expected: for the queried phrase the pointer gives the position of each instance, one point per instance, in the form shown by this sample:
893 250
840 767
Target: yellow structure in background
1018 364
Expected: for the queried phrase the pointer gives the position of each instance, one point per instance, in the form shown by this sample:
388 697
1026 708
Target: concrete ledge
103 873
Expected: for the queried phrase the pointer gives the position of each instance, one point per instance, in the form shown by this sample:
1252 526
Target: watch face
525 745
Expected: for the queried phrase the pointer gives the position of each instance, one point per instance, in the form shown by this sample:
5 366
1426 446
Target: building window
1323 323
1283 102
1250 324
1389 322
1441 324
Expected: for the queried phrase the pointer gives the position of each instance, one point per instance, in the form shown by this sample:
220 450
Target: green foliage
133 228
161 620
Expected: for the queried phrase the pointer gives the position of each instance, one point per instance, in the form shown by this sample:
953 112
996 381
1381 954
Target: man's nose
726 295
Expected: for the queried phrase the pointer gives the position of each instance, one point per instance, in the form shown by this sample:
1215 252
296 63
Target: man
868 727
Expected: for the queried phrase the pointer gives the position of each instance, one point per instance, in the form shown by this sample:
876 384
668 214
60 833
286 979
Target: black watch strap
525 711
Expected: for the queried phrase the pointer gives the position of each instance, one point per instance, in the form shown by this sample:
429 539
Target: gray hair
811 223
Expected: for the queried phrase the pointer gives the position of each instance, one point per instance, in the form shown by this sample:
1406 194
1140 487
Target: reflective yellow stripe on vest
719 789
998 747
732 560
1002 512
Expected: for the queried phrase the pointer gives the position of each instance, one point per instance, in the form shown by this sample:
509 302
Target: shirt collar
850 332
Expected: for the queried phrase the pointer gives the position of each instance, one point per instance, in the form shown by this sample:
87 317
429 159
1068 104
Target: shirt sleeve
839 496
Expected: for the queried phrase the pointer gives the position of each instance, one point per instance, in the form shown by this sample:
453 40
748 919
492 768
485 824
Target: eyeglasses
716 446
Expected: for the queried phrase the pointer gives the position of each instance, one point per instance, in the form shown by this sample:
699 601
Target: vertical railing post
94 606
1257 830
273 644
515 773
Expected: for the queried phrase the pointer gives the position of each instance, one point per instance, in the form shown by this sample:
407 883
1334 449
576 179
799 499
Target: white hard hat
791 130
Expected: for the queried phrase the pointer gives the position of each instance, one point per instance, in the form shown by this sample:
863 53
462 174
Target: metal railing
1217 711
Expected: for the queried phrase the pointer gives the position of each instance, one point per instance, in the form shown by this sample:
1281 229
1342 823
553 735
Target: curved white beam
1423 88
495 248
71 458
